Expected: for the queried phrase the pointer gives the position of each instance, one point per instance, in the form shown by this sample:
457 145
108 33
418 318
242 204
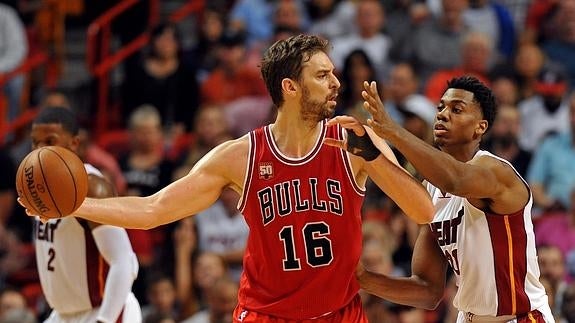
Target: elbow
432 302
426 214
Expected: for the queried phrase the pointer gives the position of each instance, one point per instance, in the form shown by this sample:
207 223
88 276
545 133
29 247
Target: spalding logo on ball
52 182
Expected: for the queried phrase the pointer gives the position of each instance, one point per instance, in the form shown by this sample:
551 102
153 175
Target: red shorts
351 313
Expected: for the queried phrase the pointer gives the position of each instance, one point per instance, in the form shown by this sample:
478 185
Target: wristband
361 146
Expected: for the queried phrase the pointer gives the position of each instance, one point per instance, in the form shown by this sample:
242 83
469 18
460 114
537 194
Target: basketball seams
75 205
44 177
53 186
23 184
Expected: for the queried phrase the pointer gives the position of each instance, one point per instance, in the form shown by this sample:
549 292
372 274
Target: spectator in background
403 16
402 97
331 18
557 229
568 304
146 169
221 299
524 70
494 20
370 21
203 55
210 129
436 44
357 67
476 56
161 295
13 308
506 90
222 230
503 140
547 112
255 19
552 172
232 79
164 81
13 51
560 47
552 267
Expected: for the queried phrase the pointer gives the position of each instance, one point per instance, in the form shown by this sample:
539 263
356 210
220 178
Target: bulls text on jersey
286 197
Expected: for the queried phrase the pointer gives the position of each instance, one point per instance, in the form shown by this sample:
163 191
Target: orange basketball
52 182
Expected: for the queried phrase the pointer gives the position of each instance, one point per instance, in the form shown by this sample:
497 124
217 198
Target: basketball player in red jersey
301 199
86 269
482 225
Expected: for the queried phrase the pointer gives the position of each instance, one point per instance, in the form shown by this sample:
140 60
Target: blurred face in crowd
507 123
505 91
211 125
163 295
529 60
370 17
166 44
10 300
209 267
146 134
287 14
402 83
212 25
476 52
551 264
222 299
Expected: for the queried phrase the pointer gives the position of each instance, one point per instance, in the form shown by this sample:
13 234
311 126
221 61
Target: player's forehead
47 129
317 62
458 95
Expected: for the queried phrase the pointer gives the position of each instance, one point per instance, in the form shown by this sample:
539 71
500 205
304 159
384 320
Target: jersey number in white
317 246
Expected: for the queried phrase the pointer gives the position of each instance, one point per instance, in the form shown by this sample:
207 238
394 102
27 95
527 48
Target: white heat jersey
72 271
492 255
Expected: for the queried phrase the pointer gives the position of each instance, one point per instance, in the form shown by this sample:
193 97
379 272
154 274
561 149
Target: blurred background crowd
157 84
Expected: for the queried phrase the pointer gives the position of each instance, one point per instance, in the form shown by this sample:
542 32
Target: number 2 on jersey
317 246
51 255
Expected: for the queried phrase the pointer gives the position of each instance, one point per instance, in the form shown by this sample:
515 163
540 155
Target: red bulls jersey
305 228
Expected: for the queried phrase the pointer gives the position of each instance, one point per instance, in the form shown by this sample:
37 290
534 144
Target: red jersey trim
290 160
97 268
509 243
249 171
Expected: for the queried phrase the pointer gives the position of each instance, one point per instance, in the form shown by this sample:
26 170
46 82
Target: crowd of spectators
179 101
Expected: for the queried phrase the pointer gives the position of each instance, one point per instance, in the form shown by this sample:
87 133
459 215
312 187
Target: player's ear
75 144
289 87
481 127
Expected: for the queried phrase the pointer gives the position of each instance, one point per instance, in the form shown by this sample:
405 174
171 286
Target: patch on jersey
242 315
266 170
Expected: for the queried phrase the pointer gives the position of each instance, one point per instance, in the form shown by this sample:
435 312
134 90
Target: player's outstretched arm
425 287
481 178
184 197
384 170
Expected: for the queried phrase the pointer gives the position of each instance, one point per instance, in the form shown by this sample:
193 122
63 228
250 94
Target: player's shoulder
233 148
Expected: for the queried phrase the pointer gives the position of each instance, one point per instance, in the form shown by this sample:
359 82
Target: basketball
52 182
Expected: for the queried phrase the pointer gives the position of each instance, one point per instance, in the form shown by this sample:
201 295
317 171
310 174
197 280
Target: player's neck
294 137
461 152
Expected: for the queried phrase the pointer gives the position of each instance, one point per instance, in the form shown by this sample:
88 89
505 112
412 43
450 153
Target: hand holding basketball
51 182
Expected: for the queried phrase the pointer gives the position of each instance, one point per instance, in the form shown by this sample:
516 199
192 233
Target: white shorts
131 313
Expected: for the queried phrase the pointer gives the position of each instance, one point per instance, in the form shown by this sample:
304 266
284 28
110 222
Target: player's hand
357 141
28 211
381 122
348 123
